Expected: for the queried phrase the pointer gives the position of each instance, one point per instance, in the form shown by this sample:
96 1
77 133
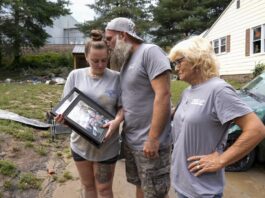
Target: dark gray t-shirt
146 63
106 92
199 128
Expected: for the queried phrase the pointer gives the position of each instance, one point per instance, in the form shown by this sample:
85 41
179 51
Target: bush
259 68
46 60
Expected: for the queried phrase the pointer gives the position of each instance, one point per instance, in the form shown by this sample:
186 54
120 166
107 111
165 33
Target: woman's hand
205 163
113 127
59 118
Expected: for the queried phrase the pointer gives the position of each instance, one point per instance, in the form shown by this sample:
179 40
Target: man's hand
151 147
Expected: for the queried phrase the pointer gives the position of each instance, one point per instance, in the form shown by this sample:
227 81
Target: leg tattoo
104 173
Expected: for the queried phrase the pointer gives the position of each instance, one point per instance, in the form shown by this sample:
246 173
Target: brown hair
96 41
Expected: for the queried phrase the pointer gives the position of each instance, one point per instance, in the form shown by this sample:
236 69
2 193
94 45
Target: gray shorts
153 175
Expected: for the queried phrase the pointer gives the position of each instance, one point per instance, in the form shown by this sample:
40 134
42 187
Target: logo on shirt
112 93
199 102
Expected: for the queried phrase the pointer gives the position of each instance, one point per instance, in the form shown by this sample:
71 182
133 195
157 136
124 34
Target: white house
238 36
64 31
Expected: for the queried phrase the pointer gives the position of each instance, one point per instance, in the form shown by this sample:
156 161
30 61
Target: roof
205 34
79 49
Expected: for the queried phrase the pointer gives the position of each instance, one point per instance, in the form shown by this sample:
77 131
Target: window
238 4
219 45
216 46
258 39
223 44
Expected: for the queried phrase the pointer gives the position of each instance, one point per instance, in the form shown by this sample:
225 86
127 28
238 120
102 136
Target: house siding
235 22
64 31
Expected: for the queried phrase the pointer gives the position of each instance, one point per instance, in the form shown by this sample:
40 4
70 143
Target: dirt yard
250 184
63 179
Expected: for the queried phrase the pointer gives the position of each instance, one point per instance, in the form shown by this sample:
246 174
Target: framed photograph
86 118
65 102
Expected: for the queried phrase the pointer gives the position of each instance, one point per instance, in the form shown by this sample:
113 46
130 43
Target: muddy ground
250 184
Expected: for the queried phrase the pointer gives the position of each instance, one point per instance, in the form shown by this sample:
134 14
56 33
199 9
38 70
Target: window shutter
247 44
228 43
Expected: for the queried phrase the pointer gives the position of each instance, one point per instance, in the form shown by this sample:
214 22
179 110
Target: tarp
7 115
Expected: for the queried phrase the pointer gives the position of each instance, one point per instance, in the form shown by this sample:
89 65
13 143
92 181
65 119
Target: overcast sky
80 11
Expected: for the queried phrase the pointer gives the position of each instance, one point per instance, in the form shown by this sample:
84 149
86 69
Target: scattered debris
7 115
8 80
59 80
39 80
50 171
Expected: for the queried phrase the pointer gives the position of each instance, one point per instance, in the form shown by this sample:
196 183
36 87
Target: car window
256 86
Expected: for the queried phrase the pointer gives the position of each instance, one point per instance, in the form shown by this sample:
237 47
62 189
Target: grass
17 130
42 151
7 185
7 168
176 89
235 84
29 145
29 181
178 86
29 100
65 177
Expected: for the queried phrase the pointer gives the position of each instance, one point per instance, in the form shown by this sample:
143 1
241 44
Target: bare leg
103 179
85 170
139 192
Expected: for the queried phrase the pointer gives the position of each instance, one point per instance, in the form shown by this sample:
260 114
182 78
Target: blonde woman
206 109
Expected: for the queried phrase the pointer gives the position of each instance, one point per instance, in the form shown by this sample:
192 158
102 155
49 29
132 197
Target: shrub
46 60
259 68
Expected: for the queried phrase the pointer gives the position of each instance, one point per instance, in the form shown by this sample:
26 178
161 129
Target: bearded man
145 85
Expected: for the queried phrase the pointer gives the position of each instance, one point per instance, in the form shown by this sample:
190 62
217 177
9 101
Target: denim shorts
152 175
78 158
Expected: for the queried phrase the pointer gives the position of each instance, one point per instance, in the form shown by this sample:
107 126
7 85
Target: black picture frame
86 117
65 102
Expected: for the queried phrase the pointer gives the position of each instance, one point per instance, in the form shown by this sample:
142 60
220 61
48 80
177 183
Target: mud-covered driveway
250 184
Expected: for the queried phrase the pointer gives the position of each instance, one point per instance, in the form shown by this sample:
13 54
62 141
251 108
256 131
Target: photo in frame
86 118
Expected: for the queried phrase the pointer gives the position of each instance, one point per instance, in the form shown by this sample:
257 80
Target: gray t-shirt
106 92
146 63
199 128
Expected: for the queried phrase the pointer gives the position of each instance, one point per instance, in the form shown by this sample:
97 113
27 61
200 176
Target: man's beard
120 54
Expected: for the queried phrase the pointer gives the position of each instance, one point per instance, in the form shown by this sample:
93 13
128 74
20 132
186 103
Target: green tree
137 10
176 20
23 23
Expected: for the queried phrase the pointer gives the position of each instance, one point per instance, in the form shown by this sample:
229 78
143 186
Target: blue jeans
179 195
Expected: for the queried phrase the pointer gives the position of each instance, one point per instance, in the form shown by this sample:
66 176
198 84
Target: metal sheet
7 115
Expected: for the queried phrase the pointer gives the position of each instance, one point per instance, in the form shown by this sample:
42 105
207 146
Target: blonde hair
199 52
